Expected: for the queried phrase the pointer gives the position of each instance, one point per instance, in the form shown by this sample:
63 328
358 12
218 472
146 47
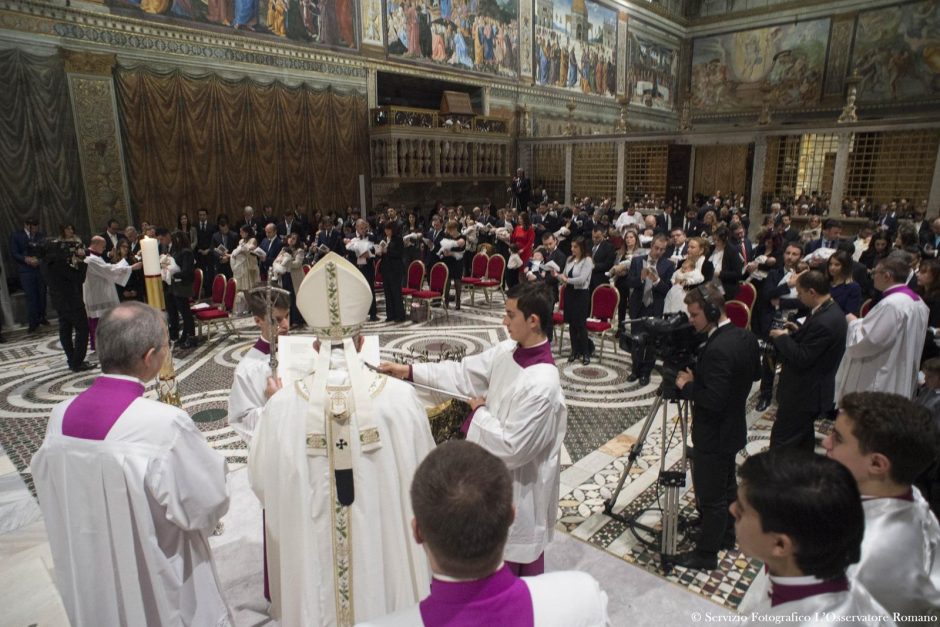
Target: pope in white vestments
130 492
331 461
883 349
900 562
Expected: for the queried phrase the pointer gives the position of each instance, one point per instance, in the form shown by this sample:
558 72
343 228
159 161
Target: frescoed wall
897 52
735 71
477 35
327 22
652 68
575 46
371 13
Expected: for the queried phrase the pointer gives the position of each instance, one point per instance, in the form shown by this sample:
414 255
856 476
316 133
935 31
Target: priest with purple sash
522 419
883 349
130 491
462 500
780 490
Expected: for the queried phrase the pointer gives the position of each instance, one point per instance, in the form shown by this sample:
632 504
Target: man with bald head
99 292
130 491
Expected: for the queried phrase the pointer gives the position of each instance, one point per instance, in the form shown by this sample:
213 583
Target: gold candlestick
166 380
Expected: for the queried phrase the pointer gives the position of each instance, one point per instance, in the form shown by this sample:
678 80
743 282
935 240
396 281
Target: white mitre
334 298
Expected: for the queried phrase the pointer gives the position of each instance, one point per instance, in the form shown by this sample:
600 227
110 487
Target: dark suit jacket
664 268
673 222
182 286
271 249
21 247
108 245
810 358
816 244
732 270
204 236
603 262
790 235
727 365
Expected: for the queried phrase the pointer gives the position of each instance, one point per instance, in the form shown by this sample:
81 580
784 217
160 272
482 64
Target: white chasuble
523 423
328 563
852 603
900 564
883 349
99 288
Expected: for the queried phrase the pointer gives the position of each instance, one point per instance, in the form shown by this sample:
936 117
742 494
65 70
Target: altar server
519 415
883 349
886 441
130 491
800 514
462 499
331 461
250 389
102 276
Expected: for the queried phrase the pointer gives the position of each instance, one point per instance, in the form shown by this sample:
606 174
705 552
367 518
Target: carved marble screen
475 35
652 67
734 71
897 52
575 46
327 22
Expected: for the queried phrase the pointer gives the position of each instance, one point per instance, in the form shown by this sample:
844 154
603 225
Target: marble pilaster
757 178
840 171
621 164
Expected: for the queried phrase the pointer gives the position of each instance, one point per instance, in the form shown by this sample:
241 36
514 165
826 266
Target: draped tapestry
39 159
223 144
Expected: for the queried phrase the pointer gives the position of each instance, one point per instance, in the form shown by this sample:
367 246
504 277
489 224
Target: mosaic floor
605 417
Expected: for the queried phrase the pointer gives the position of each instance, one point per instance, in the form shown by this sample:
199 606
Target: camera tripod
670 480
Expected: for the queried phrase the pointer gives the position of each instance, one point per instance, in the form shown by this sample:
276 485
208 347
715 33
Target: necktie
743 252
647 291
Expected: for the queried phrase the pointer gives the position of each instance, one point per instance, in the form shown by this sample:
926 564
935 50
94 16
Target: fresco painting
652 72
736 71
575 46
327 22
476 35
897 52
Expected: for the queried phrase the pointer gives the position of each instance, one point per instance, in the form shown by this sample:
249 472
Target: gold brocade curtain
222 144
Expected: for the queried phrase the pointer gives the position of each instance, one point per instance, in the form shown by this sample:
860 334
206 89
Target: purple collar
93 412
500 599
782 593
262 346
541 354
901 289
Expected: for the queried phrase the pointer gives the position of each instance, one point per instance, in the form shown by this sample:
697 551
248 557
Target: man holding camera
810 354
728 363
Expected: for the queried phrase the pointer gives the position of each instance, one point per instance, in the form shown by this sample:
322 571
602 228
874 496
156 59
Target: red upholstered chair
477 272
604 302
866 307
218 315
378 284
197 285
493 280
558 318
738 313
747 294
415 278
215 297
437 279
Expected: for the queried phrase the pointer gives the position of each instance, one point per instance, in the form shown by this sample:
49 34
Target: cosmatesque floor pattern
605 415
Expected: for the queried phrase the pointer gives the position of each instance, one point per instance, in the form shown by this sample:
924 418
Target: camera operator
521 188
649 280
728 363
63 267
810 354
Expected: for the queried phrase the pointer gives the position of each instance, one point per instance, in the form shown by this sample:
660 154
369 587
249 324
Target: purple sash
785 594
541 354
93 412
901 289
500 599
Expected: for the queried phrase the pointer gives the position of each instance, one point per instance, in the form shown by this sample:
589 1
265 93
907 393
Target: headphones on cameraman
711 310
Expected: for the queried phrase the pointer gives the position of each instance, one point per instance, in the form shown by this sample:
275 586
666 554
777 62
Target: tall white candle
150 253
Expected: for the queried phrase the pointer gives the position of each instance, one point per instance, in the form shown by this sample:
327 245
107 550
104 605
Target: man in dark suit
649 279
830 238
25 247
786 229
271 245
693 226
112 235
434 236
741 243
678 245
203 246
727 365
64 269
249 220
581 223
522 189
810 355
666 221
602 253
224 242
888 219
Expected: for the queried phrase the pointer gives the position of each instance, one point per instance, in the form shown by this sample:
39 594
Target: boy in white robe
250 390
781 491
886 441
98 290
883 349
331 460
130 491
519 415
462 499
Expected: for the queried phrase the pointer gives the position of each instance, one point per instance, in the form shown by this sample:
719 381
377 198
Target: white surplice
900 562
309 533
129 517
246 398
883 349
99 288
523 423
559 599
821 610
